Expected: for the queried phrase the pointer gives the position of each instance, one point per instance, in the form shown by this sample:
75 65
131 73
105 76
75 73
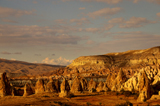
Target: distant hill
24 68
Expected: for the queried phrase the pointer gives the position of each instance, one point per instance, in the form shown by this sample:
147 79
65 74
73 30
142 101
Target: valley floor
85 99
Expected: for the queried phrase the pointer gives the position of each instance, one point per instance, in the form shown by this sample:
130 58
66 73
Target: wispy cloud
6 12
36 35
158 14
9 53
80 21
10 21
105 12
133 22
82 8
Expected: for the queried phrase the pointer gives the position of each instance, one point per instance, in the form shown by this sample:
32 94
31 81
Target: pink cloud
133 22
158 14
6 12
80 21
105 12
82 8
105 1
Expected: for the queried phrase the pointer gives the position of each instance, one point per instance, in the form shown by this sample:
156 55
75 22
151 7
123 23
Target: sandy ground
86 99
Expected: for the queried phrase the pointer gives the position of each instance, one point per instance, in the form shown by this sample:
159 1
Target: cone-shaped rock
50 87
92 85
120 79
144 87
76 86
110 79
100 87
57 85
105 88
84 84
5 88
39 88
65 88
27 90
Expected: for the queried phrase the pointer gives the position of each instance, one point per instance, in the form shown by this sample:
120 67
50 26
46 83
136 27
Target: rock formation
84 84
57 85
50 87
92 85
27 90
120 79
65 88
76 86
144 87
5 88
110 79
100 86
39 88
105 87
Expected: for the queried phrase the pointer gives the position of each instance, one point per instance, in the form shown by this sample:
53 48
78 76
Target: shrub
127 103
88 103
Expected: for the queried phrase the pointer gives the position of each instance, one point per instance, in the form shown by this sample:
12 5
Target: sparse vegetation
127 103
88 103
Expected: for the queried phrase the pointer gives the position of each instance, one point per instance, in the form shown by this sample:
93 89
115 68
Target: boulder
39 88
50 87
5 88
27 90
76 86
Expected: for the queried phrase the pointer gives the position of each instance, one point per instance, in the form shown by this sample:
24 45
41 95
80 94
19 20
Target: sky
59 31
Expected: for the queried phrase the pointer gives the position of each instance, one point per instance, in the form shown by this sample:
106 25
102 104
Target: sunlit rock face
130 61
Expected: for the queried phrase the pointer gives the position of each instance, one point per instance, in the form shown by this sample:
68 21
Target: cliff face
129 61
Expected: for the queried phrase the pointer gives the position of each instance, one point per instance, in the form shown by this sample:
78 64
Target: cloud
154 1
4 52
89 42
80 21
7 12
104 1
82 8
61 21
116 20
10 21
36 35
122 41
35 2
105 12
13 59
37 54
8 53
59 61
133 22
158 14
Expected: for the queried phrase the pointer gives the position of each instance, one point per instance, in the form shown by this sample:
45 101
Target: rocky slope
19 68
129 61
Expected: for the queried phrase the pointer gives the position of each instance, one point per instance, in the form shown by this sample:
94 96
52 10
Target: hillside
130 61
23 68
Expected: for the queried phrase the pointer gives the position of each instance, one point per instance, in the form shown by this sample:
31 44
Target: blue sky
58 31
